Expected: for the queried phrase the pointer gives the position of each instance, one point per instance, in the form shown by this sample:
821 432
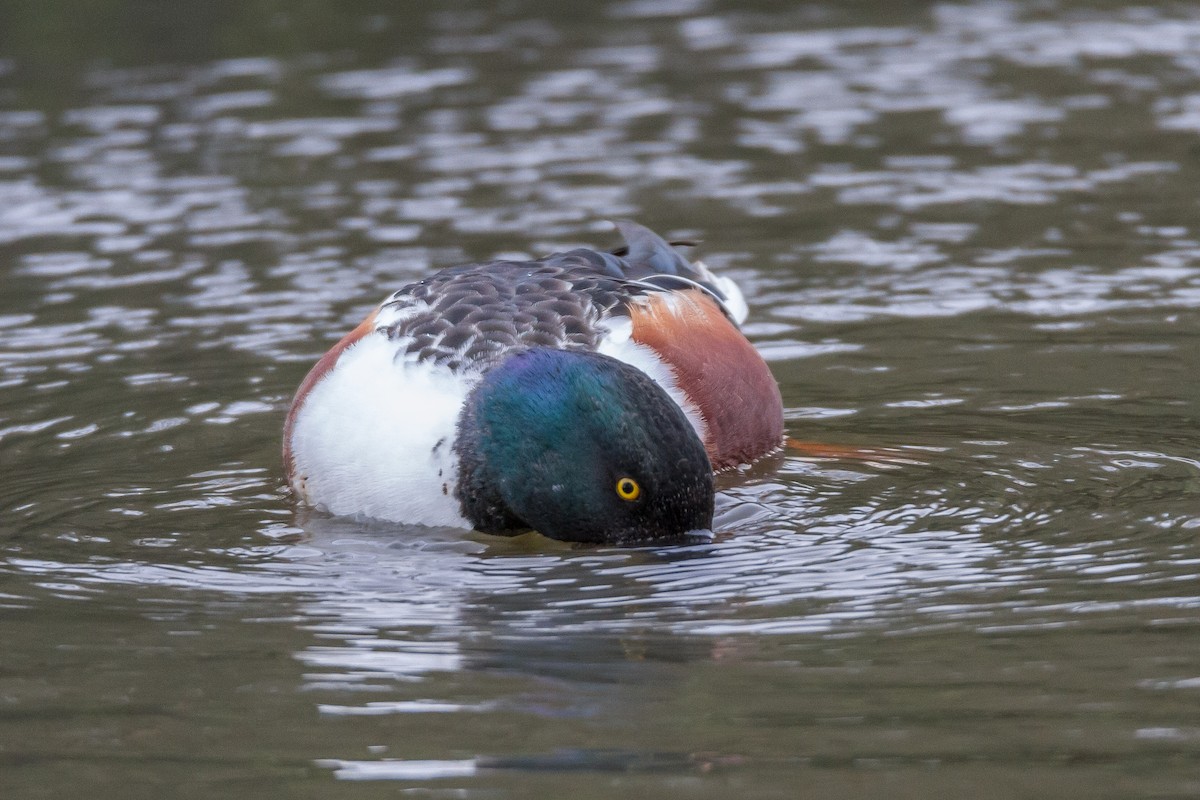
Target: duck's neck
478 486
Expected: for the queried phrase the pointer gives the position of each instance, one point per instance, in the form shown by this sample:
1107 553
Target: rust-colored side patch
319 370
719 370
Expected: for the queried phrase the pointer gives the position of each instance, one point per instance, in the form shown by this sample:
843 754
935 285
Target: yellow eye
628 489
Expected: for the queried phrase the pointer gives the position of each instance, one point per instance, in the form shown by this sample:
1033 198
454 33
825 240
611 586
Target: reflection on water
967 234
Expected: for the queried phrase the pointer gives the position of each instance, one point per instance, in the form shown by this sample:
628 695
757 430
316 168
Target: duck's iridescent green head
580 447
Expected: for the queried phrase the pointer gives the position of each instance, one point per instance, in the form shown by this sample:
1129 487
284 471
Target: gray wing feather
465 317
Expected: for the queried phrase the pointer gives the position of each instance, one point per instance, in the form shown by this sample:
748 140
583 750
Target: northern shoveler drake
587 395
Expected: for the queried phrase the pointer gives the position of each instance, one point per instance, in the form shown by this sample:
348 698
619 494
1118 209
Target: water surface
968 236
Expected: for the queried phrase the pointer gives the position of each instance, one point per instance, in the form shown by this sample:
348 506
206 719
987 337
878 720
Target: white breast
374 437
619 344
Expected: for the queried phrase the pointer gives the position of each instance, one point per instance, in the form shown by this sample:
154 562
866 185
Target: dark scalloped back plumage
465 317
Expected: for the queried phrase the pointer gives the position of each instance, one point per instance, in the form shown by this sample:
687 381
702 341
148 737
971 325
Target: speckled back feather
465 317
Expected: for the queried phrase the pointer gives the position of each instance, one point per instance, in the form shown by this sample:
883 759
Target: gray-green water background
967 231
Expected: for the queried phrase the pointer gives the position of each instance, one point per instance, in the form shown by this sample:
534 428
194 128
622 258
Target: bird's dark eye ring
628 489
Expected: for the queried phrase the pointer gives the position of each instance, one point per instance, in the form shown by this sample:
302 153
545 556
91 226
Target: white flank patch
619 344
396 309
735 301
374 437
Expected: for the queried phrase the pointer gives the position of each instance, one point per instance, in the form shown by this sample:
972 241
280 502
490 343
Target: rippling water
968 236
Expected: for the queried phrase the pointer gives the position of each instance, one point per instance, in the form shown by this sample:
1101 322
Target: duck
590 395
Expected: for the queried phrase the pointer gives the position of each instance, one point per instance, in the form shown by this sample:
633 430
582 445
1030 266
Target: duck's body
377 427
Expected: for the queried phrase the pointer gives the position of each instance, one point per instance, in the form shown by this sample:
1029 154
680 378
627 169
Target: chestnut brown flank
719 370
319 370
